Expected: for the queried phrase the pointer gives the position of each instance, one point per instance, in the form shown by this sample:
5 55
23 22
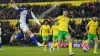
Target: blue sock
33 38
0 45
19 36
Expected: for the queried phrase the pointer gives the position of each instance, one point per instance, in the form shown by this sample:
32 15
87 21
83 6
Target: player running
92 26
63 26
45 30
54 33
25 14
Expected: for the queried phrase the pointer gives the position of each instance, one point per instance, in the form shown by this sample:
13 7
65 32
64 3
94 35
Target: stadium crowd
25 1
84 10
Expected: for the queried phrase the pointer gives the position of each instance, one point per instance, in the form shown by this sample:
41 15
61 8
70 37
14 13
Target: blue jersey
24 15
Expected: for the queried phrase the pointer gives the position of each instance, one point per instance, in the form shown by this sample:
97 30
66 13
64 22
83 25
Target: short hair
28 6
45 21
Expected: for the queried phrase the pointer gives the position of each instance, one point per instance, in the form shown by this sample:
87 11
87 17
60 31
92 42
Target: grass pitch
38 51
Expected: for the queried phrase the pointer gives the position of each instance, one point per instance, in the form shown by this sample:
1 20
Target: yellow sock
70 46
55 45
45 46
43 43
95 47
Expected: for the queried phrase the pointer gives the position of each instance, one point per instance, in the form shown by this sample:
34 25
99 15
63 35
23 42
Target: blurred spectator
84 10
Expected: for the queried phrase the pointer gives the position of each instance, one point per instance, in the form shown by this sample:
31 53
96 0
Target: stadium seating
84 10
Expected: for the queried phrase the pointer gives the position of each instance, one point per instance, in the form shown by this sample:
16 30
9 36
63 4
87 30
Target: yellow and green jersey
63 23
54 29
45 30
93 27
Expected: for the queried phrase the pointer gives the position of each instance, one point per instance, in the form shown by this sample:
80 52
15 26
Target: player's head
45 22
65 12
95 18
28 7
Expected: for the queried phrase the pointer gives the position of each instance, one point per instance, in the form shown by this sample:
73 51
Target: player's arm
71 29
40 31
53 20
37 21
51 31
15 6
98 27
87 26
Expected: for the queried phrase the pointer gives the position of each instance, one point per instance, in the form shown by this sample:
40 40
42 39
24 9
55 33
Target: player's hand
87 32
49 18
39 25
73 31
11 1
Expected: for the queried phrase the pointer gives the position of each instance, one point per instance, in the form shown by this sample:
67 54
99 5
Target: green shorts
45 37
63 34
55 37
92 36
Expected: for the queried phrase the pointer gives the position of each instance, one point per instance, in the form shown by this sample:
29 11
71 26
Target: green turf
37 51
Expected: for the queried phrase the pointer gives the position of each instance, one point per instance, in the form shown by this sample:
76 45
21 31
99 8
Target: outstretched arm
15 6
71 29
37 21
53 20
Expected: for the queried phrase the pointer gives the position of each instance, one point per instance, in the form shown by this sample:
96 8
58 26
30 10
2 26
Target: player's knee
69 39
96 41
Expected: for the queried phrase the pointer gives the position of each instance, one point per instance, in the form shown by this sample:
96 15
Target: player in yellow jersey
63 26
54 32
92 26
45 30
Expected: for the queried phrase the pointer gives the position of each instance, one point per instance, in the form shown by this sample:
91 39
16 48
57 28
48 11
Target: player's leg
96 43
86 43
60 36
55 38
33 38
15 37
26 30
45 40
68 37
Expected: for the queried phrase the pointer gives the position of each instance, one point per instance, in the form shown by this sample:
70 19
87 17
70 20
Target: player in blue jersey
25 14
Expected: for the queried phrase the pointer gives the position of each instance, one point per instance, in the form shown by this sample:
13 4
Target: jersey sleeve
58 18
15 6
37 21
89 23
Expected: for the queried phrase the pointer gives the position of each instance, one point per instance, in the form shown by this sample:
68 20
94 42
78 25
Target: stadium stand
27 1
82 11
